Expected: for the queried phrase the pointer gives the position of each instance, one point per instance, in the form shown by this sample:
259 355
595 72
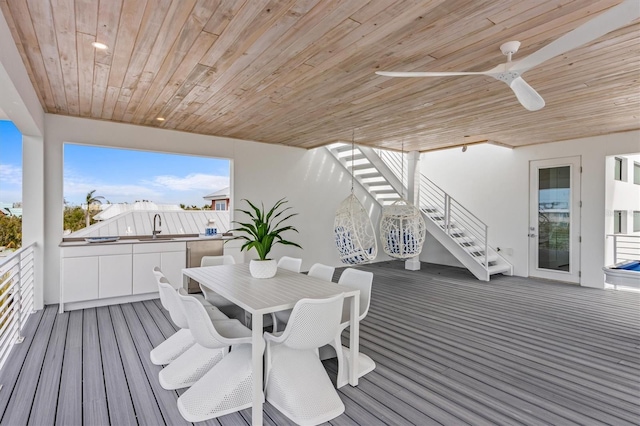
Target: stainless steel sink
155 239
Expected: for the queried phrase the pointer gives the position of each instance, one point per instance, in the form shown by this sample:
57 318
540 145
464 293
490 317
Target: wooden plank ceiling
301 72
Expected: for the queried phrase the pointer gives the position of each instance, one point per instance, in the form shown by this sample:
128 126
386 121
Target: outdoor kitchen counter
104 273
140 240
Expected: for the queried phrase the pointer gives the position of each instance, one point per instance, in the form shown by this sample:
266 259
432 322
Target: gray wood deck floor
449 350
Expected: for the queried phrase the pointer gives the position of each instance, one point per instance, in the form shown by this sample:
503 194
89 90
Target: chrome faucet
155 233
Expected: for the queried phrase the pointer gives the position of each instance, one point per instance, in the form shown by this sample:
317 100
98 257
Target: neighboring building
113 210
220 199
623 194
7 209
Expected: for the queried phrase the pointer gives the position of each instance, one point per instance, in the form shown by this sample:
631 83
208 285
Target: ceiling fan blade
426 74
612 19
528 97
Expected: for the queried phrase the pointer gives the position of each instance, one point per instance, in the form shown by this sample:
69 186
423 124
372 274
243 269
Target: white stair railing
396 161
453 217
455 220
16 298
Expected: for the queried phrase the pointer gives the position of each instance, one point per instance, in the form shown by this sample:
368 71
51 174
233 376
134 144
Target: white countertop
143 240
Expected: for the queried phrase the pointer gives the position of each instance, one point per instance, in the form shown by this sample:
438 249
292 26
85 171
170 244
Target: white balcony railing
16 298
625 247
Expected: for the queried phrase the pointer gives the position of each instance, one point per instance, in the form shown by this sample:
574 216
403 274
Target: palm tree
91 199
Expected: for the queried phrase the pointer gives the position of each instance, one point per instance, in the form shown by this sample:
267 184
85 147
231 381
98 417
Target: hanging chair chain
402 168
352 157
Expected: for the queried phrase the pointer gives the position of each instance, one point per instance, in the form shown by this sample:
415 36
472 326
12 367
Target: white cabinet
92 272
169 256
79 279
115 275
95 272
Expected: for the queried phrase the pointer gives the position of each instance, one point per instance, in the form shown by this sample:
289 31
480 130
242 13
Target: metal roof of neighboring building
137 223
112 210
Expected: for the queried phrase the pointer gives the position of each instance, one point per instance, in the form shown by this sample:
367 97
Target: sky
118 175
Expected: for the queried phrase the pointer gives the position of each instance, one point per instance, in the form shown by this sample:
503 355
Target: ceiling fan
510 72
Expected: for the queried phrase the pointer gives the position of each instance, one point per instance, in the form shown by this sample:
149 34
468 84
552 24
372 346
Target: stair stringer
478 270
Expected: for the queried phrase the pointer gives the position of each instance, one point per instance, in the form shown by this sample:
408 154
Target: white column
33 209
413 196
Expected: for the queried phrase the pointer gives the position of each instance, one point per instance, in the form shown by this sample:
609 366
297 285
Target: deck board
449 350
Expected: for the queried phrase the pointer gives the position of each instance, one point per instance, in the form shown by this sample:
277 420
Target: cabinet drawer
159 247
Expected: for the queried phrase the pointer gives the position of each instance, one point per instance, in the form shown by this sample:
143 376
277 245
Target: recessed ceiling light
160 118
100 46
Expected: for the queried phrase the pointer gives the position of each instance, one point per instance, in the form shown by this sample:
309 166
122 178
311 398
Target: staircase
456 228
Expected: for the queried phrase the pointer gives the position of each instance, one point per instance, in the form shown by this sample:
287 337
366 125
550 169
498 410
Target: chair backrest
225 259
324 272
200 325
171 302
362 280
290 263
313 323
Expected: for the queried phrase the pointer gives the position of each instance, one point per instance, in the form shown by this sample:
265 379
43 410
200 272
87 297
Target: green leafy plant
265 228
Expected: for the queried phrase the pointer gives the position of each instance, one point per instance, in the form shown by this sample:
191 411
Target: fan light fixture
511 71
99 45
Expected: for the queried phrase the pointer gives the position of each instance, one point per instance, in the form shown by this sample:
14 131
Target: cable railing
625 247
456 220
16 298
397 163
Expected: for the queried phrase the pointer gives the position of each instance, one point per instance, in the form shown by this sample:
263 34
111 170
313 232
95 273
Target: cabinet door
172 264
143 278
79 279
115 275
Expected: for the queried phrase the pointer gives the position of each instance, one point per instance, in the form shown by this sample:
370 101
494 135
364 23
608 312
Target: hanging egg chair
354 233
402 230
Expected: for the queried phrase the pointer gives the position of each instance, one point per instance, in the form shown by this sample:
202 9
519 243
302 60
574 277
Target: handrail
16 297
455 218
396 162
625 247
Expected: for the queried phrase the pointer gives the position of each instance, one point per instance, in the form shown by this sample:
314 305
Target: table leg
354 340
257 349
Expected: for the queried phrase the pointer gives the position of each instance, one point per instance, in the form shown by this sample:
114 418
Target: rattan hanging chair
354 233
402 230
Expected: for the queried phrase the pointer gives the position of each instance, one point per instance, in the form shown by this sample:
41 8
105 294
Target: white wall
313 182
493 182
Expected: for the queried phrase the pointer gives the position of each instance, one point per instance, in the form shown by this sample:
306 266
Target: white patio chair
181 340
228 308
290 263
195 361
318 270
225 388
362 280
296 382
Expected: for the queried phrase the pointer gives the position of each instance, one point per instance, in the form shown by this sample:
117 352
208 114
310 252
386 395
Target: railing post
615 249
486 247
413 195
447 213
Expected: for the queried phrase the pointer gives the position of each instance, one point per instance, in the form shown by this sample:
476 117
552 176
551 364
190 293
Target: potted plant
262 233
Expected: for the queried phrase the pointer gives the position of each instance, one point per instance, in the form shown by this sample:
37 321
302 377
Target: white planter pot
263 268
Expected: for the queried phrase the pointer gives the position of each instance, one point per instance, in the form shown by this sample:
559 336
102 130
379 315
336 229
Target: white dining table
264 296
